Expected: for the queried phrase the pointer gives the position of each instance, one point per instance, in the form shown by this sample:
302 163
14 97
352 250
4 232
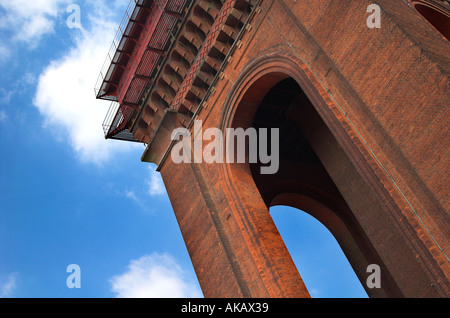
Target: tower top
134 60
165 58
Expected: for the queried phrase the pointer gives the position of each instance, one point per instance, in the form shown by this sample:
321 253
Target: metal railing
118 115
116 46
110 115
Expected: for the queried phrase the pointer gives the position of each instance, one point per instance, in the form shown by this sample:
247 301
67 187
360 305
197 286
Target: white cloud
19 87
130 194
155 183
154 276
30 20
65 94
8 285
5 96
314 293
5 52
3 115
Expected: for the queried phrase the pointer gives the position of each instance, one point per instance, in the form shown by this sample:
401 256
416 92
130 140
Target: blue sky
68 196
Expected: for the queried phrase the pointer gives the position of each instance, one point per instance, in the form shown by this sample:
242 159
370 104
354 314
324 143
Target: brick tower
359 93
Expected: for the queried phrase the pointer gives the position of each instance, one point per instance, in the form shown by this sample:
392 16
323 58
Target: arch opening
316 173
436 14
321 262
302 181
308 156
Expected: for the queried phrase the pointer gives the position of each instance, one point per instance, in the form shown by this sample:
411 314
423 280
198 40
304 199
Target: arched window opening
314 172
437 13
303 182
321 262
